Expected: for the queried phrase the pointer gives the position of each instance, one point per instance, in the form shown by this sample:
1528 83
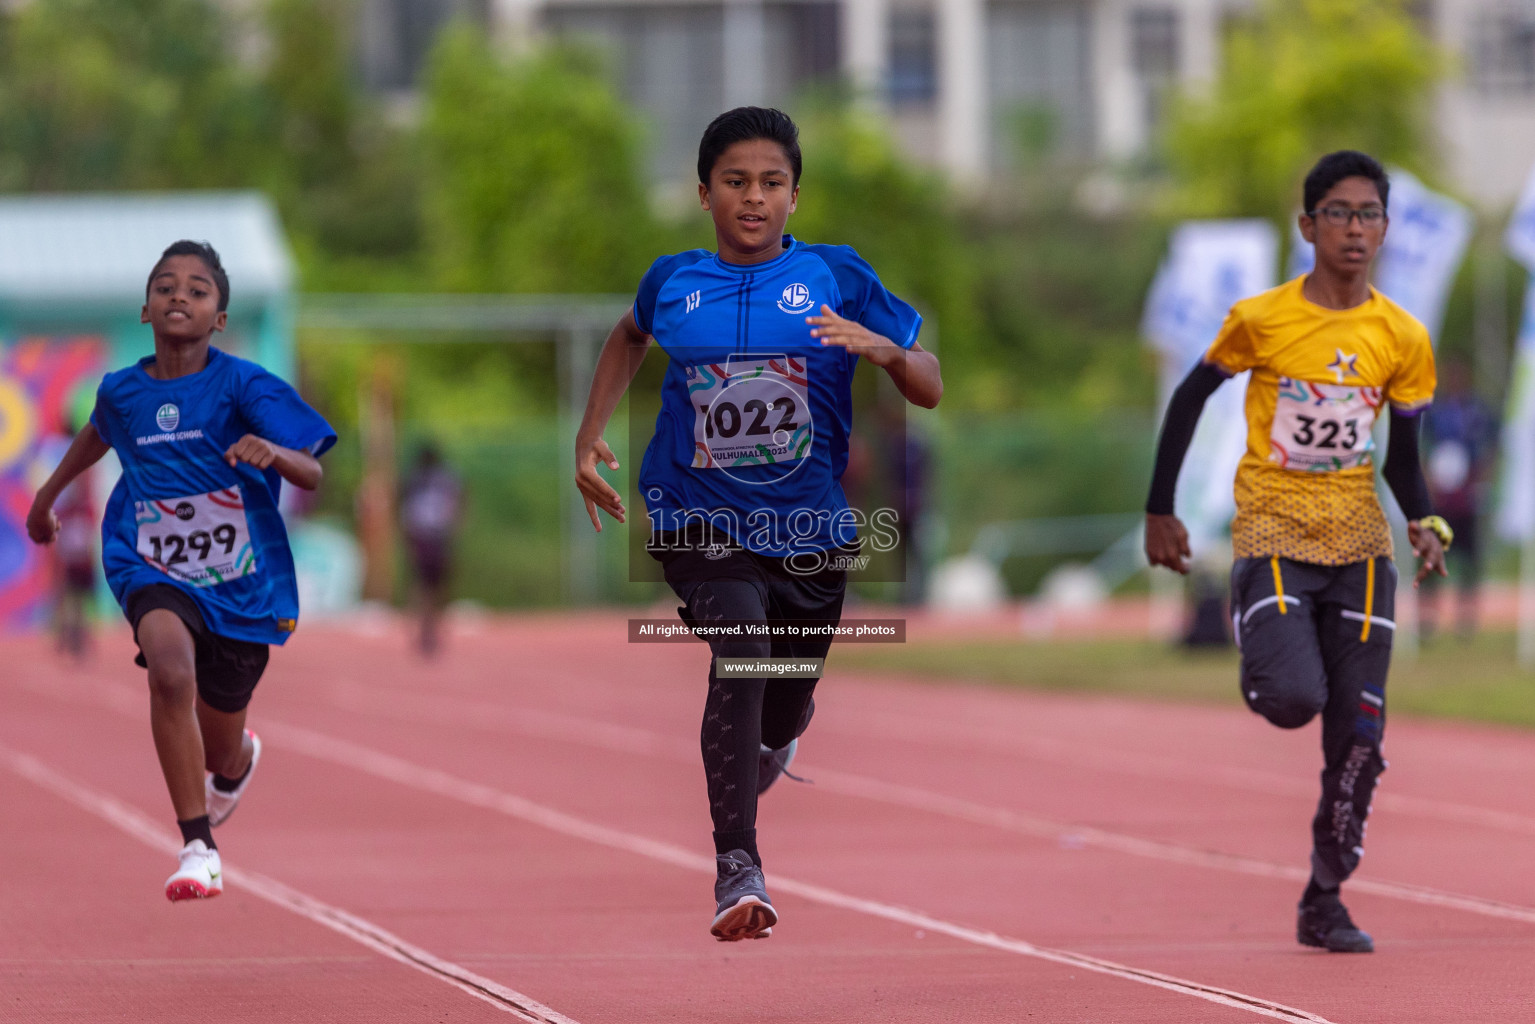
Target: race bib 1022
750 412
1322 428
202 539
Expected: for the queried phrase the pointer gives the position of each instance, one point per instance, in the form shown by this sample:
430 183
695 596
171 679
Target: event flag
1516 504
1210 265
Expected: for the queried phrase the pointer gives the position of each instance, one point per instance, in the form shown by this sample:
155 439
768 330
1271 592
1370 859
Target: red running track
518 831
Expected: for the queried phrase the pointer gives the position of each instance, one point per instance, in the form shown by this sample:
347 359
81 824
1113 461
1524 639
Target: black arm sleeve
1404 469
1177 431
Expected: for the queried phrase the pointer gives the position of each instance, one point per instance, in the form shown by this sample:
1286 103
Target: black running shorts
227 670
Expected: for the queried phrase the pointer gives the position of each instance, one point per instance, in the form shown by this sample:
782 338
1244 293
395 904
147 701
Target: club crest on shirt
796 299
167 417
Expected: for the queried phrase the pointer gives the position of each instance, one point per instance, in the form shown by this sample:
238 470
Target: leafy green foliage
125 94
1303 78
532 181
348 181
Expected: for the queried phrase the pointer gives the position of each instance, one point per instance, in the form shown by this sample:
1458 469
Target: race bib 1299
750 412
1322 428
202 539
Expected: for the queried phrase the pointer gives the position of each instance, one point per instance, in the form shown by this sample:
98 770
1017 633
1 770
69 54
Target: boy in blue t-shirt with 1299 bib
193 544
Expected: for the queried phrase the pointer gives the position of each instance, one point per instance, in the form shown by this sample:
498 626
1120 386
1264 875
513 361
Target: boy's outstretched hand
595 491
832 329
257 451
42 523
1427 546
1167 542
299 468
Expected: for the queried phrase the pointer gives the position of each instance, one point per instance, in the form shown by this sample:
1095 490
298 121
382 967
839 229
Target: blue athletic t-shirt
180 514
752 436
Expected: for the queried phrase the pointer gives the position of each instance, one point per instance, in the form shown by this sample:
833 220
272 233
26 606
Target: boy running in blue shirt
192 542
742 480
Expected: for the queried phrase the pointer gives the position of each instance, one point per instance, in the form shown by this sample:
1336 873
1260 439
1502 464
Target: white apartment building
972 85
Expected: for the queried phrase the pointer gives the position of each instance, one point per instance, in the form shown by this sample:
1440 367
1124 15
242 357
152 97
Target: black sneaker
773 763
742 907
1324 922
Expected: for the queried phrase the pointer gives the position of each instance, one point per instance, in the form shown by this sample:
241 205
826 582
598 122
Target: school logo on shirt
796 299
167 417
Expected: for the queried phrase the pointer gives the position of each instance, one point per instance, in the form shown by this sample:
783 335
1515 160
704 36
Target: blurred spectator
431 503
1462 436
906 464
73 551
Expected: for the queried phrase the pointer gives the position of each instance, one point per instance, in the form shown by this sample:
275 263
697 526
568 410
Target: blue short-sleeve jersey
182 515
752 436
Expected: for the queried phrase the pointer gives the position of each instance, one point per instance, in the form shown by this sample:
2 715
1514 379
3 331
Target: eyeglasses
1339 216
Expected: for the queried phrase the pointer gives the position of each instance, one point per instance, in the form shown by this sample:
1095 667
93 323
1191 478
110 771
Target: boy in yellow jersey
1313 585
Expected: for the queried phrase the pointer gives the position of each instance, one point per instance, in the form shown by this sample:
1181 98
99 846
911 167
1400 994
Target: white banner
1516 493
1521 229
1210 265
1516 498
1425 243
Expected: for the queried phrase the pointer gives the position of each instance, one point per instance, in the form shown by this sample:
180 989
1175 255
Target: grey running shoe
773 763
1324 922
743 910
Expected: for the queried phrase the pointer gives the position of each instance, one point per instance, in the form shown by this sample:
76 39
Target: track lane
859 948
1177 919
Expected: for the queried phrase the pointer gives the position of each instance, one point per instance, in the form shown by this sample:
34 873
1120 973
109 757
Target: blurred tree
1299 79
348 181
533 180
125 94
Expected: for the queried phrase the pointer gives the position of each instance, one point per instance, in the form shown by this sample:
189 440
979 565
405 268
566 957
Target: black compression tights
742 713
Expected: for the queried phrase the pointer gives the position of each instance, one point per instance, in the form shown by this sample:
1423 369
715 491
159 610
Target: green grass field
1477 680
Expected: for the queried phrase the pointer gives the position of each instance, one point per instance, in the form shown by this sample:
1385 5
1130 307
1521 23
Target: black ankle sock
1313 891
738 839
197 828
224 784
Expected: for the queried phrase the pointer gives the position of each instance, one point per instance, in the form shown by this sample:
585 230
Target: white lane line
1141 765
552 725
358 929
1068 835
630 740
438 783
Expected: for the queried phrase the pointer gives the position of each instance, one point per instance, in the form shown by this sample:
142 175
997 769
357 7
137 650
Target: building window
1154 43
1154 56
913 57
1040 88
1503 52
396 36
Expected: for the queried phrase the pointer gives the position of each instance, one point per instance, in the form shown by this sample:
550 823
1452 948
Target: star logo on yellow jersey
1344 366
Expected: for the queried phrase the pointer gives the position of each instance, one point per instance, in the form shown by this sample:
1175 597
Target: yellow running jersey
1305 489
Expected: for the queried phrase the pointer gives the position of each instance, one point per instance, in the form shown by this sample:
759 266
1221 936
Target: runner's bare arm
914 370
616 366
297 467
1167 541
84 452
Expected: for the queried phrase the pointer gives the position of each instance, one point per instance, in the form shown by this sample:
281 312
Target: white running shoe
220 804
200 877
